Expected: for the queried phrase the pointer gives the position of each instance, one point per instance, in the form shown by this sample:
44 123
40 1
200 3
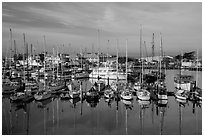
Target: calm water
57 117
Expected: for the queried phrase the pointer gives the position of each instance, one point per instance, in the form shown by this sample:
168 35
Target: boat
161 87
74 89
143 94
19 96
182 94
56 86
108 92
64 96
99 85
107 72
80 75
184 82
92 94
198 93
42 95
126 94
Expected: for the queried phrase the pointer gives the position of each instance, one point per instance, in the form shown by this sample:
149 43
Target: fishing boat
183 82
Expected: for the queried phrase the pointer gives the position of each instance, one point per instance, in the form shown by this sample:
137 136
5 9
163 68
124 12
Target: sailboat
56 85
74 89
43 94
8 84
142 93
161 87
108 92
126 94
23 94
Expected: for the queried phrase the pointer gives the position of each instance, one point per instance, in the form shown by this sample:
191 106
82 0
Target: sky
75 26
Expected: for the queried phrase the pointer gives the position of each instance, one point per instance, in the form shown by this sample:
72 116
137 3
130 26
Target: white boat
181 94
126 94
107 72
184 82
108 93
143 94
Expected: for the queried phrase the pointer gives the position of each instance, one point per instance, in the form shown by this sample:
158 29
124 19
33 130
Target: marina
56 116
68 74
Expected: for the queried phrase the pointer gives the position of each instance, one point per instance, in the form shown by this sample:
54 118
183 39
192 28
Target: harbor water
104 117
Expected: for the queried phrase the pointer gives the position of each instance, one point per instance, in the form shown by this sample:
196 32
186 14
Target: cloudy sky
76 26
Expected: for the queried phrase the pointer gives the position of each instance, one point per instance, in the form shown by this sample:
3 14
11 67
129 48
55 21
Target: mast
24 57
15 53
57 62
141 74
81 59
27 59
160 56
126 60
31 53
98 54
44 61
142 66
117 59
197 71
11 47
53 69
153 47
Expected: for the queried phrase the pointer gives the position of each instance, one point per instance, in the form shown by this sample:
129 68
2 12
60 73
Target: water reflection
101 116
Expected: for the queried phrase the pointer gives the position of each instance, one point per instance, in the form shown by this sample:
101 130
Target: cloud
181 23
